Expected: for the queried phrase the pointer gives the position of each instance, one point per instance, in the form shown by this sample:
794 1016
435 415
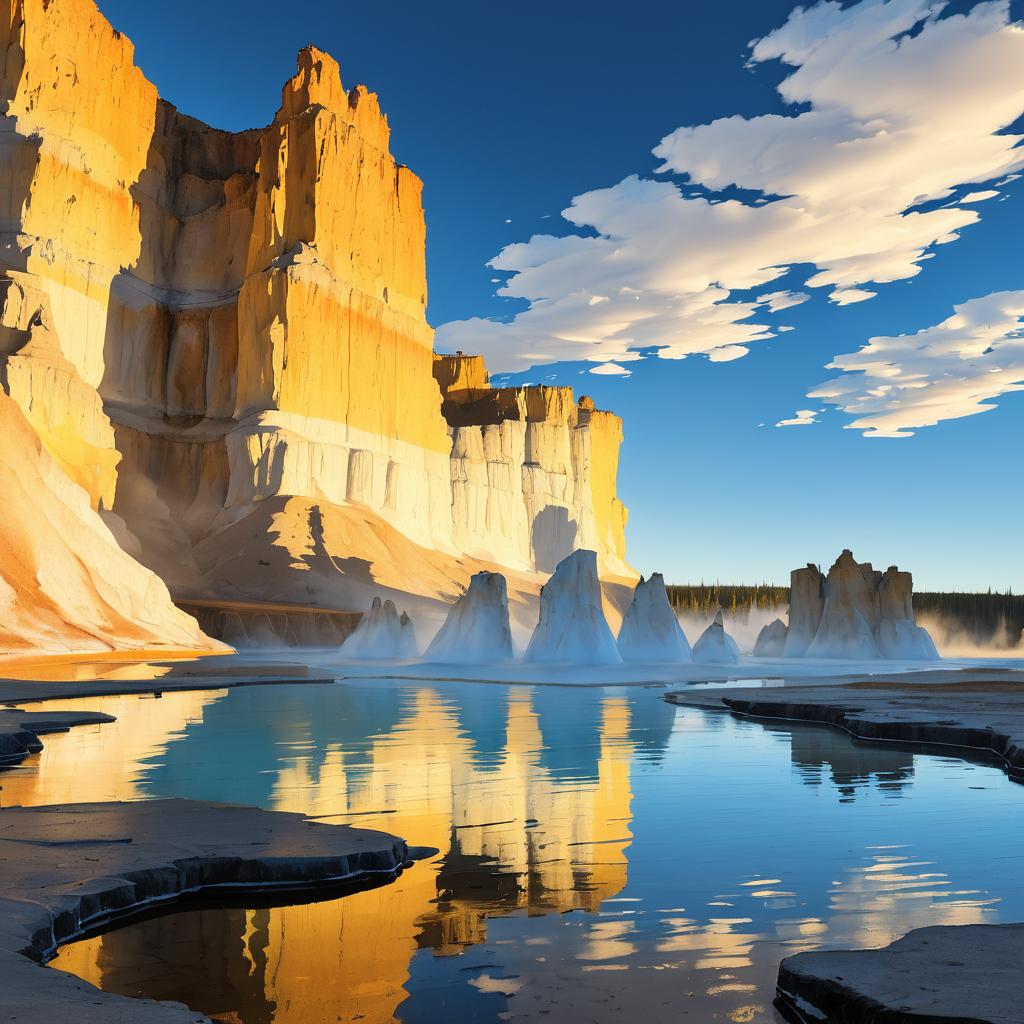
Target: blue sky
509 116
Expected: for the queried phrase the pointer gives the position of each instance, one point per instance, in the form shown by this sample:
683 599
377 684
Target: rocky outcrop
65 585
650 630
715 646
382 634
477 627
572 627
856 612
771 641
198 323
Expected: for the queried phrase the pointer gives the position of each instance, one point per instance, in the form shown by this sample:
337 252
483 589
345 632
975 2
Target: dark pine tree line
983 618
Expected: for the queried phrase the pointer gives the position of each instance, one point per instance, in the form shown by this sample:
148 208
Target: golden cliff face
208 329
533 471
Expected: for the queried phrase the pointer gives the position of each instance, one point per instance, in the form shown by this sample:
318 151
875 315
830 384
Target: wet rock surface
67 868
985 715
968 974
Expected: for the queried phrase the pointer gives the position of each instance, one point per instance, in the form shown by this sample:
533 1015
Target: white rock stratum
572 627
650 630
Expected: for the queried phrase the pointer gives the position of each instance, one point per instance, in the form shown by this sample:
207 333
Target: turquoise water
603 855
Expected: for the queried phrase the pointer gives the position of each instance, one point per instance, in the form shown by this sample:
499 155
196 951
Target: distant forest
982 618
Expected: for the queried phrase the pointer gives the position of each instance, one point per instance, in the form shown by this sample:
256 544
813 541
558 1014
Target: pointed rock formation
715 646
382 634
572 626
855 613
771 641
477 628
650 630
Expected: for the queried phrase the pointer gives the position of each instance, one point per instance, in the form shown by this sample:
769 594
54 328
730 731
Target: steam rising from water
954 641
743 625
951 637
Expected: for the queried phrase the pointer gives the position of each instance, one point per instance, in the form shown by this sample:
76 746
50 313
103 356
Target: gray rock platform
20 730
66 868
968 974
983 715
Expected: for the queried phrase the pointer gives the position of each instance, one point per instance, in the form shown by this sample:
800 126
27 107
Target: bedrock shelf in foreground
65 868
968 974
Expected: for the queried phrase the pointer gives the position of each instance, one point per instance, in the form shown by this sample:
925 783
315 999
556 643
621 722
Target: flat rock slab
984 715
968 974
20 730
66 868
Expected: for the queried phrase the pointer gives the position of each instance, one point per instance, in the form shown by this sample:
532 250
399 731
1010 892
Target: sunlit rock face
572 627
715 646
204 326
65 585
477 628
855 612
382 634
533 471
771 641
650 630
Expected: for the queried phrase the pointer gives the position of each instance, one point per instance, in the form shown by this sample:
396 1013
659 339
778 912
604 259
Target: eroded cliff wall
222 337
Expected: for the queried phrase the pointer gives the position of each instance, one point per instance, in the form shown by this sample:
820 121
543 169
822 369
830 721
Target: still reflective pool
603 855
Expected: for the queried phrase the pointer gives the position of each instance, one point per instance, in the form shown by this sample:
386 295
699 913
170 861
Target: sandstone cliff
222 338
65 585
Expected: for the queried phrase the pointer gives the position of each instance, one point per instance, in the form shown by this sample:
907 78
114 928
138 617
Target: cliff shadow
552 537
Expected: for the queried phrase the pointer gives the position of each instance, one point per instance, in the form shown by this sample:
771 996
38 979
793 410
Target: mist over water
954 640
743 625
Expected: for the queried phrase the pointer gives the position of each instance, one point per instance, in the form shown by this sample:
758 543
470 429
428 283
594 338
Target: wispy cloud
895 110
801 418
954 369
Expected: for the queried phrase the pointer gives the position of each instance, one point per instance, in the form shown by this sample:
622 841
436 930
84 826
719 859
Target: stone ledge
967 974
64 869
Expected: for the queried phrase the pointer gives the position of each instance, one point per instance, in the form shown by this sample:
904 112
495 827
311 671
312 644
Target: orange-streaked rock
197 322
65 585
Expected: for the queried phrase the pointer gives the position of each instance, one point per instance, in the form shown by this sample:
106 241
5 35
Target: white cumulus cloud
894 107
954 369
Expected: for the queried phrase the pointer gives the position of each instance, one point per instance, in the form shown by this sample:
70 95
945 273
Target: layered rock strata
855 612
222 338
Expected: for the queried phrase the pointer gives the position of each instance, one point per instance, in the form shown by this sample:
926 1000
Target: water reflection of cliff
819 754
525 824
